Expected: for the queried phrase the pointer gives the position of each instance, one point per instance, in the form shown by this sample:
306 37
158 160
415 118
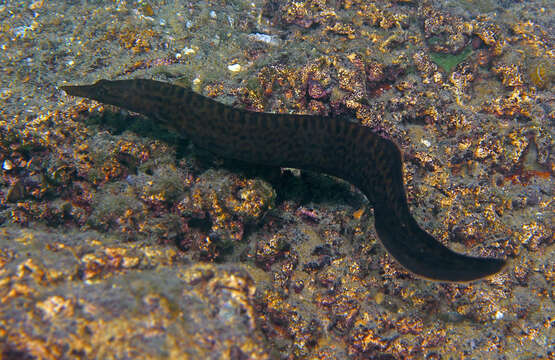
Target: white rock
234 68
425 142
268 39
188 51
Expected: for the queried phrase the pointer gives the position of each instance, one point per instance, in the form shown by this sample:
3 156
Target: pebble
234 68
425 142
268 39
187 51
7 165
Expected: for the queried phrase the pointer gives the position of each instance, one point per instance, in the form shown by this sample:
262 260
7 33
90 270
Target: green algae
448 61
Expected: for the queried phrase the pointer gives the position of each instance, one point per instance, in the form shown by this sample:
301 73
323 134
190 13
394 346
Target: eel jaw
103 91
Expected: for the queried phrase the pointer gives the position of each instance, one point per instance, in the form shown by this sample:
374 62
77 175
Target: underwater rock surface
127 242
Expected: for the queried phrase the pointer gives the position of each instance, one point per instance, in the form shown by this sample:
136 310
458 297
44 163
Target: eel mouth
81 91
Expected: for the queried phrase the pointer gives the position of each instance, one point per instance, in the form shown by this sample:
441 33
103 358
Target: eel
317 143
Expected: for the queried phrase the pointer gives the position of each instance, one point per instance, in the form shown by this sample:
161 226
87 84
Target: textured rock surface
81 295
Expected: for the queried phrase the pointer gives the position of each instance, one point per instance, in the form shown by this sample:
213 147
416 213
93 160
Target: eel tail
422 254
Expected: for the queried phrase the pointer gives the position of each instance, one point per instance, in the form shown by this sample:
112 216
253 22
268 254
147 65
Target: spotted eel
317 143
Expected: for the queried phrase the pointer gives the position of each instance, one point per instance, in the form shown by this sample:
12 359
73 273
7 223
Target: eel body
323 144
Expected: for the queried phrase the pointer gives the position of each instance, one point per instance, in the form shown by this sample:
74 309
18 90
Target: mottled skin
323 144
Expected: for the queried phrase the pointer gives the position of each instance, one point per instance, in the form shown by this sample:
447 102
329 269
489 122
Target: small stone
7 165
187 51
234 68
268 39
426 142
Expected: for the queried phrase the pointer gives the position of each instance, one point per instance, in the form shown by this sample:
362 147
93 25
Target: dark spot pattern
324 144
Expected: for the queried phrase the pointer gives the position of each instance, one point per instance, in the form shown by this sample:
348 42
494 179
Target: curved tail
422 254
